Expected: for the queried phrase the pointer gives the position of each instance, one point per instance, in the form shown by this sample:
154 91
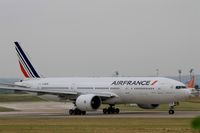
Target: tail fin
26 67
191 83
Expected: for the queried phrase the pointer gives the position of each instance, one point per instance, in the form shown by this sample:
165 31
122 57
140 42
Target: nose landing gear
171 111
172 107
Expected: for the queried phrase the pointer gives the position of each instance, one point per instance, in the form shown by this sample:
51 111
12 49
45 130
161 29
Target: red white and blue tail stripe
26 67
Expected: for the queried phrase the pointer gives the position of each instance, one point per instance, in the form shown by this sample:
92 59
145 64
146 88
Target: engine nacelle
148 106
88 102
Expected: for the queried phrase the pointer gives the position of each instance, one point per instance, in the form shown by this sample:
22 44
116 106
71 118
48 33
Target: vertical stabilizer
191 83
25 65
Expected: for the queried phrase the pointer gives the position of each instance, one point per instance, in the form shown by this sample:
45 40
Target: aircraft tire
105 111
71 112
117 110
83 112
171 112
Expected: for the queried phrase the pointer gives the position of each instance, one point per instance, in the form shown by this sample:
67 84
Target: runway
60 110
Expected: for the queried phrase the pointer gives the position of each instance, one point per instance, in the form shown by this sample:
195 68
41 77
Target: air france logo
154 82
129 82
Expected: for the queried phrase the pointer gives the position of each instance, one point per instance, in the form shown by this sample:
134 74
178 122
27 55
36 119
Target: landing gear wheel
171 112
83 112
71 112
172 107
105 111
111 110
117 110
76 112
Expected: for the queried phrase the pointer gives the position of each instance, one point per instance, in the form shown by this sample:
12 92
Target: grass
194 100
19 98
95 125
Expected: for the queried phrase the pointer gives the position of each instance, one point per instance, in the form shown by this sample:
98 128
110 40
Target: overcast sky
98 37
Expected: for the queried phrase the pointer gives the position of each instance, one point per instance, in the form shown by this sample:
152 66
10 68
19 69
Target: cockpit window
180 87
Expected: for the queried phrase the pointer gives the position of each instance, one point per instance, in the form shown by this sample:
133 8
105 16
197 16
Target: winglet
26 67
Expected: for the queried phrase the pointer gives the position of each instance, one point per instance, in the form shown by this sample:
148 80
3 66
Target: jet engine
88 102
148 106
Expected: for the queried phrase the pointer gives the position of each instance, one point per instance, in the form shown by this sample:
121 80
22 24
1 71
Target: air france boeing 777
88 94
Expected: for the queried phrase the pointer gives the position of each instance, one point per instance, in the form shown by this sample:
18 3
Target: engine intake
88 102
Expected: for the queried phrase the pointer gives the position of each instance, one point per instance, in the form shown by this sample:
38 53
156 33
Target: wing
36 90
103 95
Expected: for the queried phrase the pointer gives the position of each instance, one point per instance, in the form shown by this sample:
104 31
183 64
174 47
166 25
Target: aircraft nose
186 93
192 91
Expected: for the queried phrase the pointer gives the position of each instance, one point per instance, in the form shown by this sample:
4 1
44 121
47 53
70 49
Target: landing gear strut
76 111
172 107
111 110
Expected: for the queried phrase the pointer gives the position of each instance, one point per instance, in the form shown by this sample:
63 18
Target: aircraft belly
151 97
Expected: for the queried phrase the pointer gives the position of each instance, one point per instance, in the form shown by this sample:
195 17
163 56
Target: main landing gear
76 111
111 110
172 107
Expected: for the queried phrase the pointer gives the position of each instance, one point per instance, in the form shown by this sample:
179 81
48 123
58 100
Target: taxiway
60 110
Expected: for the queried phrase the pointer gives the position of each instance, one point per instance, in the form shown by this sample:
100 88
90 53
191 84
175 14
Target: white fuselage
139 90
